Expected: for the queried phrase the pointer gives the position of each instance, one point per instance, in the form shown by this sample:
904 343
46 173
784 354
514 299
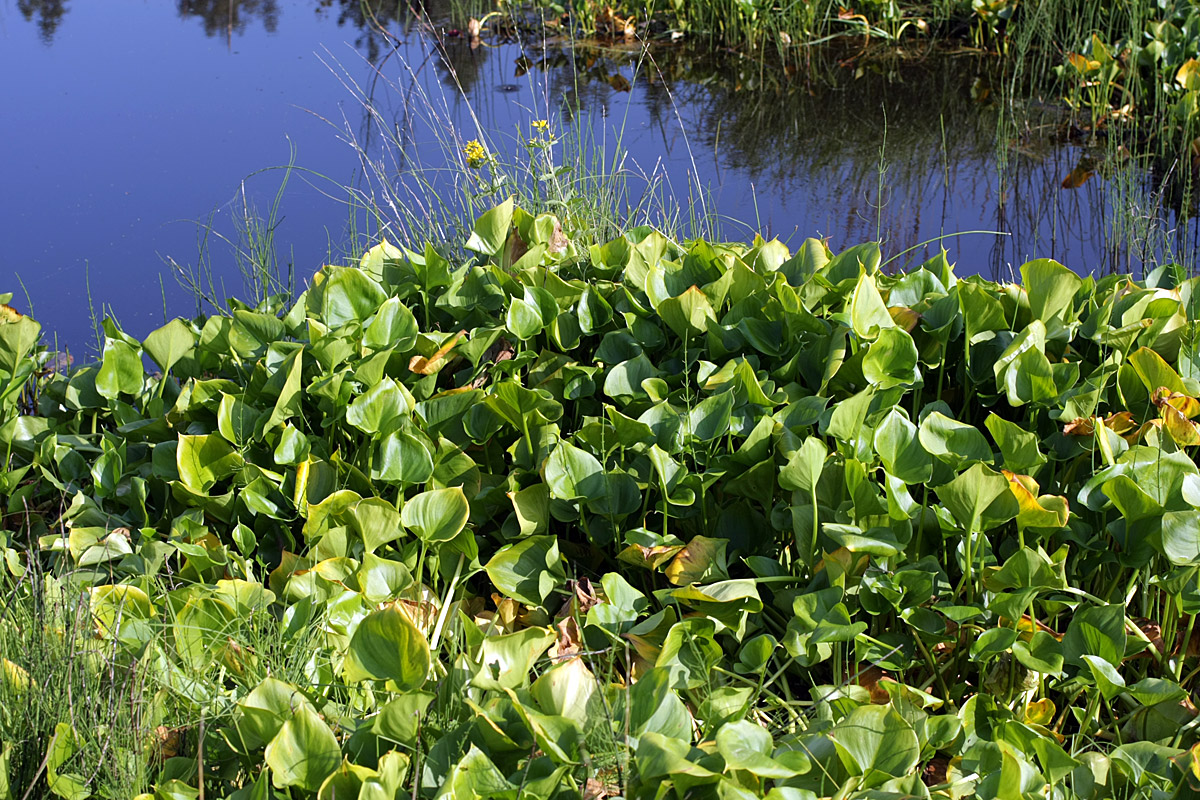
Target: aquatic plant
638 517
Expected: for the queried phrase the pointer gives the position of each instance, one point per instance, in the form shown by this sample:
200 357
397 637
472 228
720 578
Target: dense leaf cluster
640 518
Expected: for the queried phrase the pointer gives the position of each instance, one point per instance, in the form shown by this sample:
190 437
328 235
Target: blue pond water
125 124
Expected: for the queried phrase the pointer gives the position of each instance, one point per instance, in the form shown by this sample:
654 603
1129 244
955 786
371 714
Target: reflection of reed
901 149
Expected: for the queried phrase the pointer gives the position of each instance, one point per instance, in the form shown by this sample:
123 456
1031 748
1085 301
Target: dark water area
129 127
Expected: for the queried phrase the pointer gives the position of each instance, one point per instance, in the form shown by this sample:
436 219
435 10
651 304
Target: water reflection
46 14
228 17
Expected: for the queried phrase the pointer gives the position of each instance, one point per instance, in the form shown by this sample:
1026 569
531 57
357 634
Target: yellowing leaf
702 559
1182 430
430 365
1040 712
1188 76
1046 511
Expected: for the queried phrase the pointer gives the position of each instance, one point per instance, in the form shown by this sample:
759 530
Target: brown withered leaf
421 613
869 679
501 350
594 790
583 597
558 239
935 771
1080 426
844 562
168 742
1025 626
507 611
1077 177
648 557
1153 632
620 83
517 246
568 642
644 648
1121 423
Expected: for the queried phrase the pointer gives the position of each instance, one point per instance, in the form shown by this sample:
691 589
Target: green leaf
877 738
68 786
528 570
262 712
1155 372
345 781
1042 654
167 345
655 708
1181 537
204 460
747 746
505 660
491 229
709 419
846 421
1051 288
293 447
290 401
899 448
120 370
304 752
625 379
993 642
376 521
202 630
569 689
868 314
381 579
394 327
1108 680
952 441
574 474
1152 691
1018 446
531 506
1097 631
387 646
400 718
970 497
689 314
689 652
236 419
349 295
804 467
982 312
402 458
379 407
438 515
891 360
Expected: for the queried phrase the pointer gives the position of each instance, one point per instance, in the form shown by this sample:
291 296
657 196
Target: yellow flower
540 124
475 153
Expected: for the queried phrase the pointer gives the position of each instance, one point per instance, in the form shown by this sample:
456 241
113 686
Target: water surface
131 127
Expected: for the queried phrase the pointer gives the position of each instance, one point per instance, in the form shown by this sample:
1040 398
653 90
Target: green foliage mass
642 518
